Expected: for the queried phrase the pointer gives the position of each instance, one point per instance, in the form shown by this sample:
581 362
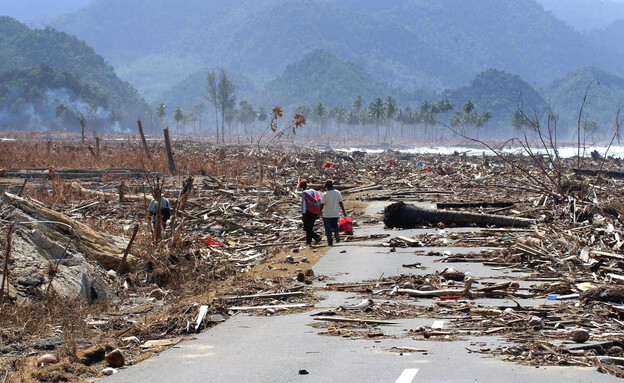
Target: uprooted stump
403 216
40 244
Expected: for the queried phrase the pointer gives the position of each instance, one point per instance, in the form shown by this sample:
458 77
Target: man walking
331 204
310 208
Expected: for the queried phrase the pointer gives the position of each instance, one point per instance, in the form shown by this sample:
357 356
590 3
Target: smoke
17 111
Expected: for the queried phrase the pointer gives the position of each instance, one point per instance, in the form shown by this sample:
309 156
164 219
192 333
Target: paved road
274 349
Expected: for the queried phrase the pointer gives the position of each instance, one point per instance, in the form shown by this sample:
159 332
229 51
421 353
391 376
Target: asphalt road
275 349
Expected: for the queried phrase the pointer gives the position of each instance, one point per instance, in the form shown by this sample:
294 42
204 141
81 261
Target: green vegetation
21 47
321 76
500 93
43 97
424 44
605 95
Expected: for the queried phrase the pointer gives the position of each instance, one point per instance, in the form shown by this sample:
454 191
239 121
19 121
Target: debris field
88 286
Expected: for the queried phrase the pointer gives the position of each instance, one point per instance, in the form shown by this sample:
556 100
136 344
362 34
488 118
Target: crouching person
164 210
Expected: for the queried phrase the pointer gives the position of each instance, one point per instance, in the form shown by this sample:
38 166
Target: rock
309 273
112 274
579 336
115 358
289 259
536 321
108 371
47 344
301 277
94 354
46 359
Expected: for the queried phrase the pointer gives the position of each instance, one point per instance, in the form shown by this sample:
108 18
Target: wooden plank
267 307
354 320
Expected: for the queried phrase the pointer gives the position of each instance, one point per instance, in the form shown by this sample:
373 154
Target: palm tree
161 112
340 115
391 111
178 115
377 111
358 103
319 115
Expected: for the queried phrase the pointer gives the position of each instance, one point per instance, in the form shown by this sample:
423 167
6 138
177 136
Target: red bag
345 225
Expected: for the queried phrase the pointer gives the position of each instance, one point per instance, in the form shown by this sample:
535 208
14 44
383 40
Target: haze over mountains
294 52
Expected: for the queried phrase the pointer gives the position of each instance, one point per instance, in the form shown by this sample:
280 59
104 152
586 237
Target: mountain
499 92
190 91
585 15
412 44
605 96
22 47
514 36
321 77
29 98
32 10
609 40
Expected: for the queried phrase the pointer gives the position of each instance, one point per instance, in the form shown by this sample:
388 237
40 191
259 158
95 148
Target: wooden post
23 187
169 152
144 142
123 259
5 271
97 147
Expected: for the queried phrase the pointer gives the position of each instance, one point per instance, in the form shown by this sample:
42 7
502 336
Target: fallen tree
51 248
404 216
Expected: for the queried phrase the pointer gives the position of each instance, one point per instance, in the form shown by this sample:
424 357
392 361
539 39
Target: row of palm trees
380 116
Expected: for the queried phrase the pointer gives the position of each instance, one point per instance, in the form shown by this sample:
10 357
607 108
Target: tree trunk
401 215
143 141
169 151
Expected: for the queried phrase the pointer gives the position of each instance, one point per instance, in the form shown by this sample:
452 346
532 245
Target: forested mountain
585 15
22 47
413 44
605 96
191 90
30 99
499 92
321 77
31 10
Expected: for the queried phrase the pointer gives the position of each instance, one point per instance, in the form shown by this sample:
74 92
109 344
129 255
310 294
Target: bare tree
225 98
211 96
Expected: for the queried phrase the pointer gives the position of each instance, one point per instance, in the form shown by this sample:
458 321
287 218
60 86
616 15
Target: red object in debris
345 224
328 165
447 298
426 169
391 163
209 241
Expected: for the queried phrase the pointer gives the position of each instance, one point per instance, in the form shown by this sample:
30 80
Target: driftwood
603 173
603 294
105 249
143 141
354 320
79 174
450 205
401 215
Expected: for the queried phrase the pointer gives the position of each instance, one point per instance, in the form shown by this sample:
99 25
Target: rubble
236 244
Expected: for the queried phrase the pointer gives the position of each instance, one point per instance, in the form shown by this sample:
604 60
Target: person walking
310 208
331 204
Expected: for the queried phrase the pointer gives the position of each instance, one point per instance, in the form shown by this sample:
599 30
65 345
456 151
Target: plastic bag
345 225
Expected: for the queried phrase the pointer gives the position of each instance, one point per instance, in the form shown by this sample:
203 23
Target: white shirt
331 199
164 204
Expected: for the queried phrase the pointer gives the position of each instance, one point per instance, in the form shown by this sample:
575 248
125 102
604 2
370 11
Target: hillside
22 47
321 77
32 10
190 91
29 98
605 96
585 15
514 36
499 92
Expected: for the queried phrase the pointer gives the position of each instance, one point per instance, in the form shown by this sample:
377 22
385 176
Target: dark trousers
308 226
166 214
331 226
